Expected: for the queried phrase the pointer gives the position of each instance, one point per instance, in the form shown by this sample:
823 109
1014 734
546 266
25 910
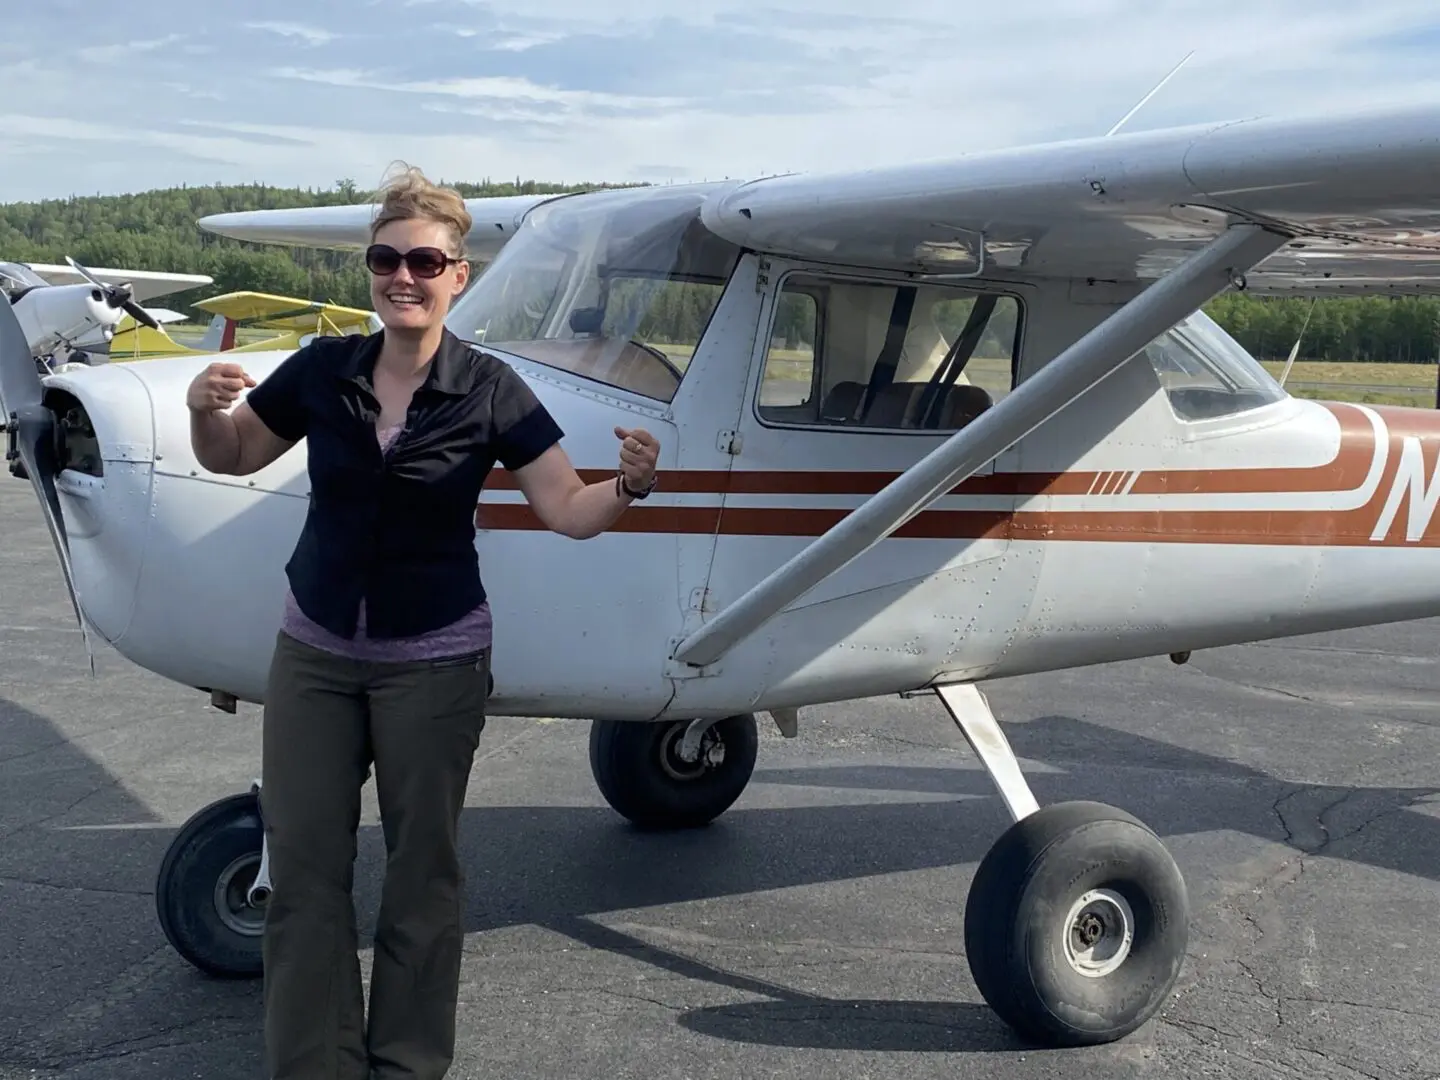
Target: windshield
1207 373
17 276
616 286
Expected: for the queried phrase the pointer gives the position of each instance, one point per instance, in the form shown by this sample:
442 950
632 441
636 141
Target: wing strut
1105 348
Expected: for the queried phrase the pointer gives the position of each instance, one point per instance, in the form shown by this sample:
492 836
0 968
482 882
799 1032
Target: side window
787 389
886 356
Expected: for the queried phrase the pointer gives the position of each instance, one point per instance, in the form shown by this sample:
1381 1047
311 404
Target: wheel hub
1099 932
231 897
710 753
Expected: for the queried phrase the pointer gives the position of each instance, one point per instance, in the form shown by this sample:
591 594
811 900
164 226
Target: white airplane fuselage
1118 529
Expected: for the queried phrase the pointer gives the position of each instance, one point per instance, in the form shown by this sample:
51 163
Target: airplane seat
887 410
897 405
841 402
960 404
891 407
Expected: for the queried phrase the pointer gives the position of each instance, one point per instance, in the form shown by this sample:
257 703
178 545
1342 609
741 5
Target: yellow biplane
296 322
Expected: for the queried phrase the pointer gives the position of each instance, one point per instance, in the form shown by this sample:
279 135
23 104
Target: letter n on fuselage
1410 480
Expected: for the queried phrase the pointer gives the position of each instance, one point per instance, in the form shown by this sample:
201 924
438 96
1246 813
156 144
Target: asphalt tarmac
815 930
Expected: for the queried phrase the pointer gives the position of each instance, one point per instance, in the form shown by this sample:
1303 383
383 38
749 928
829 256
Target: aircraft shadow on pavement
793 1019
88 978
1179 791
555 867
580 862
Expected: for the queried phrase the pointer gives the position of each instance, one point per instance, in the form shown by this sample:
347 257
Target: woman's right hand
217 387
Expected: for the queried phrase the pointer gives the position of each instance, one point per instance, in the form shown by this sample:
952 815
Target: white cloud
311 35
123 50
567 90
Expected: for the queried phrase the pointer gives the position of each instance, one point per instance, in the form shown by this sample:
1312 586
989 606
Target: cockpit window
1206 373
614 286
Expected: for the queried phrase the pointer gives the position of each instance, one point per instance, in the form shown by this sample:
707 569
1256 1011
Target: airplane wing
347 228
1361 191
270 312
147 284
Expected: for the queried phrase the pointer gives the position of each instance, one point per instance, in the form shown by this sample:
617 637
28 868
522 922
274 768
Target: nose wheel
211 891
1077 919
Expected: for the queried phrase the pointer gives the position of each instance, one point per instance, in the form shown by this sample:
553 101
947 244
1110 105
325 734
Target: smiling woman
383 655
421 227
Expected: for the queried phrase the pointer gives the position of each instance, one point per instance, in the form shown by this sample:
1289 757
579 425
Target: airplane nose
104 441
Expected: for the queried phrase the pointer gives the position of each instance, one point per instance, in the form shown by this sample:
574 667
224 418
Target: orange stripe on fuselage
1346 472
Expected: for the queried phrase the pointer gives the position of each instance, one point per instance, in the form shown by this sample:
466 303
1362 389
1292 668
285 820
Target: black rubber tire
213 839
1016 914
626 761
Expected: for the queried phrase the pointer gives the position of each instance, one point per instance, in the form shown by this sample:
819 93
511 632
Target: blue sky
98 98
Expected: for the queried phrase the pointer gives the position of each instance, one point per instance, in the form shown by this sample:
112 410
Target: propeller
117 296
30 429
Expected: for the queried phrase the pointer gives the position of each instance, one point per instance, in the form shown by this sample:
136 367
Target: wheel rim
712 752
231 902
1099 932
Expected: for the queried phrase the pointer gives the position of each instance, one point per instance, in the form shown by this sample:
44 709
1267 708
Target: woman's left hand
639 451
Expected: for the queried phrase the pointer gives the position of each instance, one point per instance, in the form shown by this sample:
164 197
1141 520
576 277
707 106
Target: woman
384 651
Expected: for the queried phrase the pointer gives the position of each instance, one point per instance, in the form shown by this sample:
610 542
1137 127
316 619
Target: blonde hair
410 194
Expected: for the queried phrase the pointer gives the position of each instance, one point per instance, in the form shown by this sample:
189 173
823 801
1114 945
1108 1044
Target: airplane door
853 380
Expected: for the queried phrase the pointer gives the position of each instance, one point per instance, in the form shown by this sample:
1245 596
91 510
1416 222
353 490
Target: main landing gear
675 775
1077 919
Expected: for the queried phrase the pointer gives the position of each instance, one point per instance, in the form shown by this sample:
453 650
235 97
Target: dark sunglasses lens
425 262
382 260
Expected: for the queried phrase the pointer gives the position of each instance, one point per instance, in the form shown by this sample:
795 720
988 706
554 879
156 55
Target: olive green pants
327 720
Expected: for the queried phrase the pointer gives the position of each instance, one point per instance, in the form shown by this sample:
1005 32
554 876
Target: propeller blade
30 427
91 278
140 315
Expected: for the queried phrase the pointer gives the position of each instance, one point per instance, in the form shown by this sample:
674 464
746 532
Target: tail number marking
1424 493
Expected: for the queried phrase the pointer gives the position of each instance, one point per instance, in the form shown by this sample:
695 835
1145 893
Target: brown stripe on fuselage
1344 473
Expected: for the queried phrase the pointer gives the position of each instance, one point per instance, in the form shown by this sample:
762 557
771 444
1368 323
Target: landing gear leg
213 885
1077 919
673 774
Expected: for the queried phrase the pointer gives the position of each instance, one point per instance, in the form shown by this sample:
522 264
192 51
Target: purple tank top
468 634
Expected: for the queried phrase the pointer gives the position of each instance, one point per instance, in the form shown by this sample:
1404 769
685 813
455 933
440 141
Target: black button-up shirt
397 529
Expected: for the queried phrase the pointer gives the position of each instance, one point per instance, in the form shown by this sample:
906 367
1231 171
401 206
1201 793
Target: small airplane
64 323
297 322
922 426
77 315
85 309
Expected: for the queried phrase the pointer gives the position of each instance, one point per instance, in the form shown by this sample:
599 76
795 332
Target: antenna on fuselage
1141 103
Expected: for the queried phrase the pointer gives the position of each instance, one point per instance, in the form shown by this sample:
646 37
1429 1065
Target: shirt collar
452 369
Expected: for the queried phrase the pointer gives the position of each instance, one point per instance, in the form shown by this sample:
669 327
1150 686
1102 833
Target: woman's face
406 300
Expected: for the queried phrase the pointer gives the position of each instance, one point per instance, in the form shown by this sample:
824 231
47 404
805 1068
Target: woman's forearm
215 440
592 509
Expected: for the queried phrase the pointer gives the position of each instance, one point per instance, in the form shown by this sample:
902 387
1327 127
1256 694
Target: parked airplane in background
64 322
75 323
839 514
297 322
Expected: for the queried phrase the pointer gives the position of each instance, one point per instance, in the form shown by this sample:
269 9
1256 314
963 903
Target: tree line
156 230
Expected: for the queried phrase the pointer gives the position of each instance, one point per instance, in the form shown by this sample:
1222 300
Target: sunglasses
424 262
